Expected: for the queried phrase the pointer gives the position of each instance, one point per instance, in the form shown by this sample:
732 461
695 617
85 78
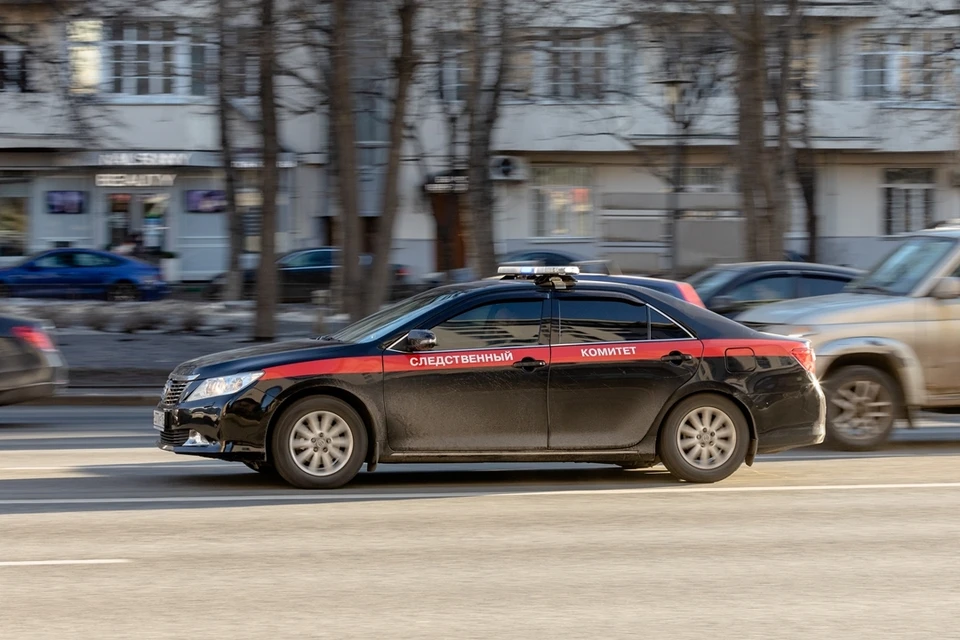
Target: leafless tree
233 284
265 321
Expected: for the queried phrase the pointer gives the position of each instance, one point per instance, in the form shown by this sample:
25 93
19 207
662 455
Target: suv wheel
319 443
861 408
704 439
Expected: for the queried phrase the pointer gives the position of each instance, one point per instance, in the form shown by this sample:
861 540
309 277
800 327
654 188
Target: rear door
93 272
614 363
484 386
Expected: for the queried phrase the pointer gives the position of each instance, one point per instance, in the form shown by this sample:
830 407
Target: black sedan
731 289
302 272
538 366
31 367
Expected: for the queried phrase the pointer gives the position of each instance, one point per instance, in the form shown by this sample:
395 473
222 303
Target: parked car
302 272
83 273
31 366
673 288
731 289
887 346
554 258
535 367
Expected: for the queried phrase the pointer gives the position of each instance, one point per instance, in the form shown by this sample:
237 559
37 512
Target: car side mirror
421 340
946 289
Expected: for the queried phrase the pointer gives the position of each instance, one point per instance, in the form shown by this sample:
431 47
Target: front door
938 329
614 363
484 386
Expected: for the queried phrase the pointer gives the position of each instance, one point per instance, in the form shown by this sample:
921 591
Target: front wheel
861 408
319 443
704 439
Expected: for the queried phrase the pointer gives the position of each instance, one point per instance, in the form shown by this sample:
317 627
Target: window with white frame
563 202
909 196
707 180
454 67
916 66
578 66
704 58
141 58
13 64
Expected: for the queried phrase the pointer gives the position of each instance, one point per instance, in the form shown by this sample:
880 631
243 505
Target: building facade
126 141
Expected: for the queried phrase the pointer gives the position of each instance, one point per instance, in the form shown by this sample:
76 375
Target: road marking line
43 563
343 497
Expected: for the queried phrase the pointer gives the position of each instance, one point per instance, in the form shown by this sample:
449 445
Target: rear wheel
123 292
704 439
861 408
319 443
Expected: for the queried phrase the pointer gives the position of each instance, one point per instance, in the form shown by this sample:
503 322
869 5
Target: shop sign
144 159
135 179
257 164
447 184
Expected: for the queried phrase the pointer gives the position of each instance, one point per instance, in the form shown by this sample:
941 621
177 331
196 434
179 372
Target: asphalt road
102 536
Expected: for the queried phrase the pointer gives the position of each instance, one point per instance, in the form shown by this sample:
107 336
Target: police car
537 365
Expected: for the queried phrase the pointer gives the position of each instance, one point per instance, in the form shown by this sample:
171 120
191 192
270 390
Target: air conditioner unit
508 168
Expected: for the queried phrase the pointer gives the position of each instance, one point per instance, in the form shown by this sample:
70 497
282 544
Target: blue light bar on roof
538 271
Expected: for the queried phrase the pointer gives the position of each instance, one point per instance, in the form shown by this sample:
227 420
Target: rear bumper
801 421
29 393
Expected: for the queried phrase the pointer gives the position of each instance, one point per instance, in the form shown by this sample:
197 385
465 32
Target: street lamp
673 92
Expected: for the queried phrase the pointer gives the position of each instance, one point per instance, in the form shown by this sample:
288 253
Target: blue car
83 273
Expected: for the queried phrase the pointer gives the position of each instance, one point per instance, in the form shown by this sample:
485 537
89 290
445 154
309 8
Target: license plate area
161 419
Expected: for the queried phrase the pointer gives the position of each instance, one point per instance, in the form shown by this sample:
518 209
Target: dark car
731 289
538 367
83 273
305 271
554 258
681 290
31 366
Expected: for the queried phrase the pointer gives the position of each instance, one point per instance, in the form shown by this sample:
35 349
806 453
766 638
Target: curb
99 398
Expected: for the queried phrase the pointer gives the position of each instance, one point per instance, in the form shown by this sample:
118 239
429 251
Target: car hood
259 357
839 308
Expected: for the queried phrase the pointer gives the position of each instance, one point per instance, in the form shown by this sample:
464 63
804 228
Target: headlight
213 387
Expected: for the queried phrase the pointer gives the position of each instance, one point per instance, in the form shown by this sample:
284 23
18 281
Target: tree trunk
341 107
750 126
233 283
405 65
264 328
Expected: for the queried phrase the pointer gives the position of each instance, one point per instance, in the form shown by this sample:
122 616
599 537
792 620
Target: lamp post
673 89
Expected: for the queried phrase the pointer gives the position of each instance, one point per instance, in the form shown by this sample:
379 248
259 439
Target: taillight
688 293
806 357
36 337
402 272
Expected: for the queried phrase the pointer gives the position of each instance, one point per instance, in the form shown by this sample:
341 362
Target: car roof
951 230
796 266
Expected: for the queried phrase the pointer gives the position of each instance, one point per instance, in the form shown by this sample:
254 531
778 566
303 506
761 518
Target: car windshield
708 283
906 267
381 324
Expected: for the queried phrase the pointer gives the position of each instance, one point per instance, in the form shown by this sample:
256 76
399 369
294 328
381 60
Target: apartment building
108 128
126 139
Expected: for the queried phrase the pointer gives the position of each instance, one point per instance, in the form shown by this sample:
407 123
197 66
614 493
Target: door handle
675 357
529 364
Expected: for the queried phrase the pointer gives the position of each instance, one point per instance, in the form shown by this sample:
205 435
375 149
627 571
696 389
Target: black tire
845 437
282 450
679 464
4 291
123 292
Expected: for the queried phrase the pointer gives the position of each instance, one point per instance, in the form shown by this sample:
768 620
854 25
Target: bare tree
233 285
264 326
404 66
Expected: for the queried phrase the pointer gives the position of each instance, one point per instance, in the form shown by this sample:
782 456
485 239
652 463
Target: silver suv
888 345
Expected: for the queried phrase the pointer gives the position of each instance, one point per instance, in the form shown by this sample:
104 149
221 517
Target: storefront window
13 226
155 220
563 201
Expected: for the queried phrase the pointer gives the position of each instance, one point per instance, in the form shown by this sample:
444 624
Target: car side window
663 328
298 261
769 288
599 320
512 323
321 258
811 285
91 260
53 261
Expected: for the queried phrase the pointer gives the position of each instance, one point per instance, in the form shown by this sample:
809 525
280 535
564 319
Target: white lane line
344 497
44 563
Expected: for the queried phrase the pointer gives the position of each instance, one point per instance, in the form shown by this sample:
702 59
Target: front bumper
229 427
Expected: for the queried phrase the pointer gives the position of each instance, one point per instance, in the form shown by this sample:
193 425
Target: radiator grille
173 391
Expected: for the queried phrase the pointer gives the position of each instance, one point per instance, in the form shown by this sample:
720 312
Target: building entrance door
140 219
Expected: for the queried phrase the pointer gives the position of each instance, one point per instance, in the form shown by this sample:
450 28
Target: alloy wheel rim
864 409
321 443
707 438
